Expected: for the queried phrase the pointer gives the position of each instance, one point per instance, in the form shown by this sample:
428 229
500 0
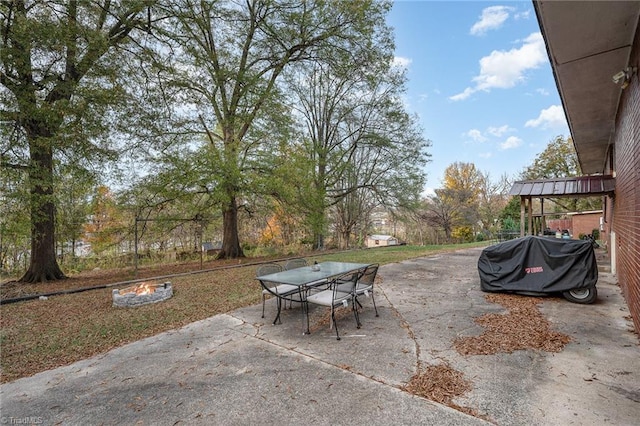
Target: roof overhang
588 42
576 187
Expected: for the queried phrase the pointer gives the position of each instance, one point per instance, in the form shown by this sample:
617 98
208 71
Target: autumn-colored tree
106 224
464 183
469 199
271 234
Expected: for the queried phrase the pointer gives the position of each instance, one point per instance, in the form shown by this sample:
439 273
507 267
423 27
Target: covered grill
540 265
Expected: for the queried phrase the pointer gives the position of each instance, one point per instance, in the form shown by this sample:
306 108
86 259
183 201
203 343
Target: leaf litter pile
522 327
441 383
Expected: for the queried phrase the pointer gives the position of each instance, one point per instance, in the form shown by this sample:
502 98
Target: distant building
211 248
381 240
584 223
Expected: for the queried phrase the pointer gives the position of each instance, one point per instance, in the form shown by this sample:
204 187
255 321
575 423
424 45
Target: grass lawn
39 335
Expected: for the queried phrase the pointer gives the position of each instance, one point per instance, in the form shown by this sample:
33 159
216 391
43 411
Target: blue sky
480 81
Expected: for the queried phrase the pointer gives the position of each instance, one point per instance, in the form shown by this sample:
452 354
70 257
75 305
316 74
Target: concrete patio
239 369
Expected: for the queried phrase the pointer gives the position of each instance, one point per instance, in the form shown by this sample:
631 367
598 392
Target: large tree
51 54
231 55
364 150
560 160
463 184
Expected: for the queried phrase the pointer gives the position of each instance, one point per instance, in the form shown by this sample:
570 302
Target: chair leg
333 320
355 312
305 306
263 299
358 302
374 303
279 304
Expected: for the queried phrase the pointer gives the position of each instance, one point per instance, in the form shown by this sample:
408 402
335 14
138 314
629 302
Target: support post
135 249
522 213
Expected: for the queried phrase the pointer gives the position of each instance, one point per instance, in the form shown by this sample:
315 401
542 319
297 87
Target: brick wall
555 224
626 211
585 223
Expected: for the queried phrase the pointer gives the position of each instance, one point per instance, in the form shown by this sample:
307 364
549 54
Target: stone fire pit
142 294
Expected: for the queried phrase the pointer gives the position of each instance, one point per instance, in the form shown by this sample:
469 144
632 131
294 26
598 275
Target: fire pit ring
142 294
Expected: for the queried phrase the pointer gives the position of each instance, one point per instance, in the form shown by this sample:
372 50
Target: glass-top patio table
308 276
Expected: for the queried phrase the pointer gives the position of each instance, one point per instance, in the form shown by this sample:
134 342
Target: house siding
626 210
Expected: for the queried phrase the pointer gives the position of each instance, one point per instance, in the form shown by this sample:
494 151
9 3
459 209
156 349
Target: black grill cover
538 265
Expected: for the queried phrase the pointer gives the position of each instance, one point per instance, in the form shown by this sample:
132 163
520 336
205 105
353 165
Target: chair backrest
295 263
345 283
268 268
369 275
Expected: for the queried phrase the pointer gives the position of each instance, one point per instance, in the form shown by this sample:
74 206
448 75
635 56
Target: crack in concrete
405 324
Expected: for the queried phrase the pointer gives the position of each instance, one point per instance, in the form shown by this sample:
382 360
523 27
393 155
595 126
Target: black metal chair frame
270 287
338 298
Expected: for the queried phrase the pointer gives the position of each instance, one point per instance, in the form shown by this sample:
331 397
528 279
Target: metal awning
581 186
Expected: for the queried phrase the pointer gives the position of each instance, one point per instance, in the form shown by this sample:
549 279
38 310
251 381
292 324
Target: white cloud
511 142
552 117
485 155
464 95
499 131
504 69
399 61
543 91
475 135
492 18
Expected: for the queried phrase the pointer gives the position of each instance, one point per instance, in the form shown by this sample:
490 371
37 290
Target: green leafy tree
493 198
73 190
559 160
229 59
14 224
52 56
511 210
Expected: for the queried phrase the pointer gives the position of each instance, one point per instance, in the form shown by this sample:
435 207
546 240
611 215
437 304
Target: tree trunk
43 265
230 241
318 241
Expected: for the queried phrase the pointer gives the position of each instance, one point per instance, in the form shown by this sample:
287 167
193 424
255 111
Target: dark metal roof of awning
582 186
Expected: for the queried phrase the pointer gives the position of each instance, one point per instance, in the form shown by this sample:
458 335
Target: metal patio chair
295 263
364 286
335 297
279 291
